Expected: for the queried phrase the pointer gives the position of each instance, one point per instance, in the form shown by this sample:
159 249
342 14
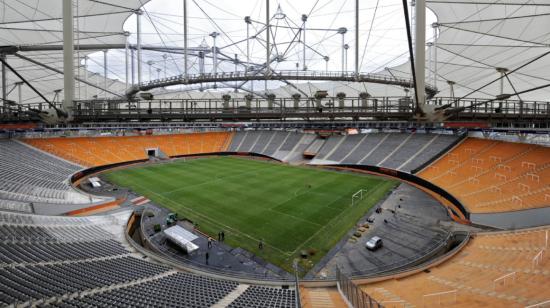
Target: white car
374 243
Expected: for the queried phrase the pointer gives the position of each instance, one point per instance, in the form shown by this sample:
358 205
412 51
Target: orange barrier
98 151
18 126
494 176
493 270
96 208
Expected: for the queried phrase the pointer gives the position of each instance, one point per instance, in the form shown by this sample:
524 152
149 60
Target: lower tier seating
494 176
97 151
28 175
508 269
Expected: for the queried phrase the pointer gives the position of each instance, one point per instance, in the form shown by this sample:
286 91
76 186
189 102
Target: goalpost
358 196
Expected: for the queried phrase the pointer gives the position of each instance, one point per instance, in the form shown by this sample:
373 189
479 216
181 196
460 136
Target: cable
370 31
513 71
409 39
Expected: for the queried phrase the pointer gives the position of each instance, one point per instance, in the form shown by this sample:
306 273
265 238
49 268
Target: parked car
374 243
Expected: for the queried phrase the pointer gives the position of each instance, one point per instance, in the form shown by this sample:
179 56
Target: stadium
322 153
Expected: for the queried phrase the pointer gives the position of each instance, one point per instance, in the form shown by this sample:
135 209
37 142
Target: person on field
261 244
223 236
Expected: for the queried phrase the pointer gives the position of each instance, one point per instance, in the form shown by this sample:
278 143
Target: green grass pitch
292 209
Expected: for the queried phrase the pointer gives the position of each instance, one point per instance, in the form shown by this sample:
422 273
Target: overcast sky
382 34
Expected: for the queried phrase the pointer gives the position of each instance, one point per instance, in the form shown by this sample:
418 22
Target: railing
353 294
287 108
396 266
276 75
439 295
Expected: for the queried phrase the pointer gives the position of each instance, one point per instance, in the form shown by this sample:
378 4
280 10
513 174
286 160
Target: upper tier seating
493 270
98 151
28 175
404 152
282 145
490 176
48 260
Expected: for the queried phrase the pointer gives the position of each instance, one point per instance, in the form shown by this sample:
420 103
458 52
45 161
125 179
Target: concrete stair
322 297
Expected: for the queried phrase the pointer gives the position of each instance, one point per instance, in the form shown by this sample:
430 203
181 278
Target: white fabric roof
474 39
39 22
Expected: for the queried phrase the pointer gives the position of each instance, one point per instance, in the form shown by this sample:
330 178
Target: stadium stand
282 145
506 269
490 176
176 289
404 152
54 261
16 206
260 297
28 175
97 151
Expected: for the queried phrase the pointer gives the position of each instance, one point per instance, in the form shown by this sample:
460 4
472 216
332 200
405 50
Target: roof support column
420 50
19 92
85 77
138 23
4 81
126 60
304 19
214 53
105 70
248 22
132 66
435 27
185 73
343 31
68 55
267 40
356 37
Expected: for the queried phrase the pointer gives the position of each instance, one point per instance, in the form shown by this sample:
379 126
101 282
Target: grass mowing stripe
218 179
204 216
290 208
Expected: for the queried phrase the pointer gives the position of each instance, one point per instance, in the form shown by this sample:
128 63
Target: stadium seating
51 280
97 151
494 176
179 289
495 269
50 260
28 175
405 152
397 151
282 145
260 297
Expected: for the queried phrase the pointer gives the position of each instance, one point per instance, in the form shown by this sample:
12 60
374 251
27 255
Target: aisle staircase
321 297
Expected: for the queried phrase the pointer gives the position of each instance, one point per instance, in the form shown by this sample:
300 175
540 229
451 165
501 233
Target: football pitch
291 209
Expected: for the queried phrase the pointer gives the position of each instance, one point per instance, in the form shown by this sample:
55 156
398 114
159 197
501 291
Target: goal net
358 196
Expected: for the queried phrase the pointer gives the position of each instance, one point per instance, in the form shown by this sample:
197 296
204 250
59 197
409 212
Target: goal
358 196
